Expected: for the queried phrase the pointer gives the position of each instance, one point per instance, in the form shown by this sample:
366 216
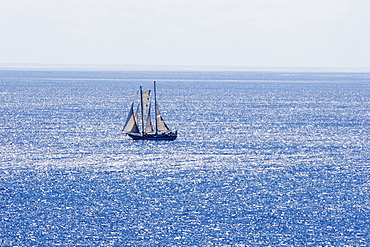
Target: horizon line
126 67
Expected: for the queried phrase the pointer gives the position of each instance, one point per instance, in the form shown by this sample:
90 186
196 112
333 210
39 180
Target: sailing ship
159 131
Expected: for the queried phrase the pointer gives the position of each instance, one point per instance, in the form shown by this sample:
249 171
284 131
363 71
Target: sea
262 158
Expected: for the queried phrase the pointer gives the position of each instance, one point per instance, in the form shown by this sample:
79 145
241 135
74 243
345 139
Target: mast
142 110
155 107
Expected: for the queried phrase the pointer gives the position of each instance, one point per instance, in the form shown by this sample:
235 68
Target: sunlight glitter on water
261 159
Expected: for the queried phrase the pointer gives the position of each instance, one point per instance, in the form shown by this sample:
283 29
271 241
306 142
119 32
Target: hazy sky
313 33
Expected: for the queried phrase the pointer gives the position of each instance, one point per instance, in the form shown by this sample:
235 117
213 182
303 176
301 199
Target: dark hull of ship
154 137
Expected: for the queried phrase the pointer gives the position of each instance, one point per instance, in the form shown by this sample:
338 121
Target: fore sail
161 125
131 122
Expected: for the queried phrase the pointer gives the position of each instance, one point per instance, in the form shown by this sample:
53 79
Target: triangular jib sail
131 122
161 125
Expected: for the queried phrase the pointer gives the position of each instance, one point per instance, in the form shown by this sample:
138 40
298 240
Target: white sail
145 98
161 125
131 122
148 125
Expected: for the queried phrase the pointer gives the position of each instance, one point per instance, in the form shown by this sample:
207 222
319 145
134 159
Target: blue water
262 159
